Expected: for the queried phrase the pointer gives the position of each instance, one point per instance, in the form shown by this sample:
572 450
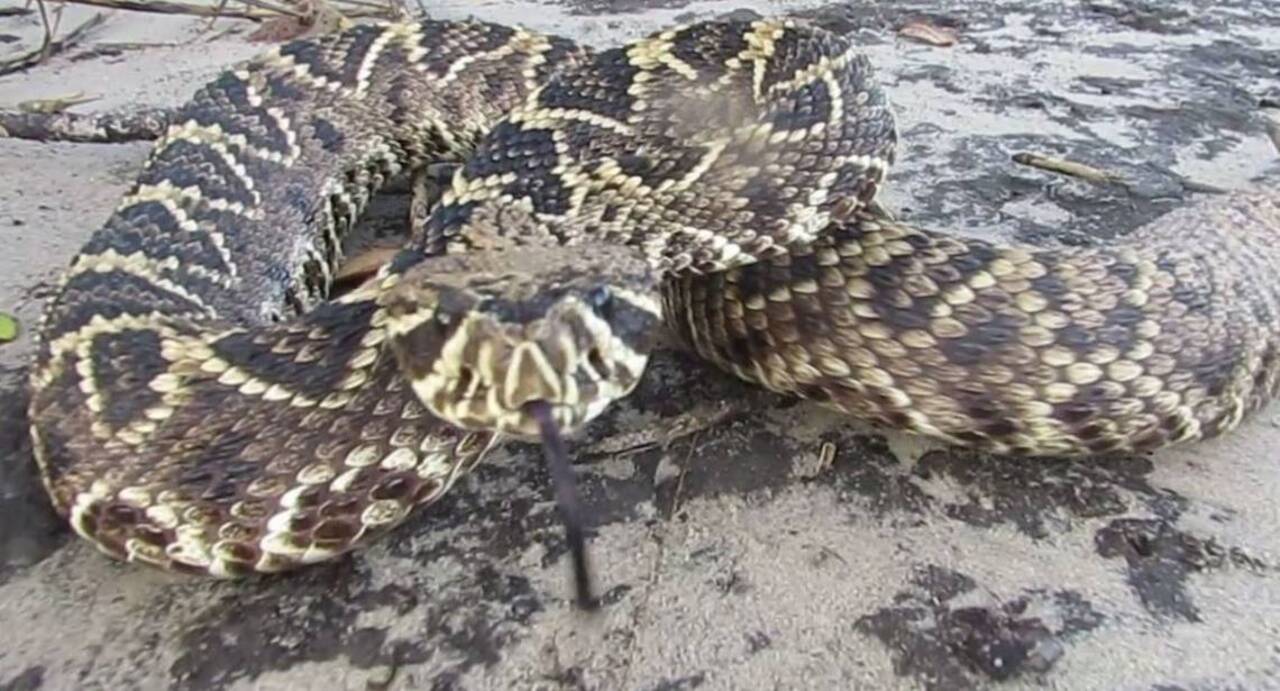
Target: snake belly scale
198 405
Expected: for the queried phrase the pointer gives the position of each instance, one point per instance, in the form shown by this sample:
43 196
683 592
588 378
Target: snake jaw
478 350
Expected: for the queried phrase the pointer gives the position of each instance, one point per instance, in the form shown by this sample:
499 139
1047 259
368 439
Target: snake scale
199 404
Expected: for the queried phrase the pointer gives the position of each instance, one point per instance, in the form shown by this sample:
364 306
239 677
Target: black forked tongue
567 501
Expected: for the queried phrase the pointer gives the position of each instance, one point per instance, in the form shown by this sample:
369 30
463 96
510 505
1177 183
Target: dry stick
222 6
50 47
47 41
272 7
36 56
257 9
91 129
364 3
1070 168
1098 176
165 7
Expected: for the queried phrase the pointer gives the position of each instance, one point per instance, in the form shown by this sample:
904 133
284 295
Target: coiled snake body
197 405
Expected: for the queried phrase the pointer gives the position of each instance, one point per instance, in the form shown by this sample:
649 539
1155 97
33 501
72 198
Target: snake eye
600 298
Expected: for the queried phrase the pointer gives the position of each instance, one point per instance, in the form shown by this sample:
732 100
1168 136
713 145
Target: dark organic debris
943 646
29 529
1161 558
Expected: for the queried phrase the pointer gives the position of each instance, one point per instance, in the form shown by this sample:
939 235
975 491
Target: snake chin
480 347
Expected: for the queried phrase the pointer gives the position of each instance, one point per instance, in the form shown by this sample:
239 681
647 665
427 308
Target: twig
112 49
363 3
222 6
1101 177
1070 168
15 11
165 7
256 10
57 104
92 129
1203 187
50 47
47 42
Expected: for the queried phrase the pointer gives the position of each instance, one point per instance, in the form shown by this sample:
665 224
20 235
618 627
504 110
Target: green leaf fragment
8 328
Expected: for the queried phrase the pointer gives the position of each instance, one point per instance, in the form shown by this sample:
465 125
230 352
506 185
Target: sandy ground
731 553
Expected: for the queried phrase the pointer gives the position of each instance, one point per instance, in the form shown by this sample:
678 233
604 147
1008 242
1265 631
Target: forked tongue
567 501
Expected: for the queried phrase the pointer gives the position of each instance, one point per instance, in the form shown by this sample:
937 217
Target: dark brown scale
400 486
152 535
445 42
238 531
188 164
808 106
602 90
242 556
426 490
121 514
302 522
214 444
333 531
342 505
278 362
123 365
114 294
1096 419
134 229
211 448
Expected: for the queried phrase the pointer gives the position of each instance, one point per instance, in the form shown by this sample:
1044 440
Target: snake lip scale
200 404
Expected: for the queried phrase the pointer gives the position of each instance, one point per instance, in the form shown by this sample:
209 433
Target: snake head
485 337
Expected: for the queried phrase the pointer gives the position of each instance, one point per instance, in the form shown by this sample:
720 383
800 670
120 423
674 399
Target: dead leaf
925 32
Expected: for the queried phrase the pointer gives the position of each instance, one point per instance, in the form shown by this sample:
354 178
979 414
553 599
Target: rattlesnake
198 405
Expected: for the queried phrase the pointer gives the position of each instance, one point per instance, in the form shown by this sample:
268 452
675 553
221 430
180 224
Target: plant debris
57 104
1070 168
316 18
924 32
110 128
50 47
257 10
